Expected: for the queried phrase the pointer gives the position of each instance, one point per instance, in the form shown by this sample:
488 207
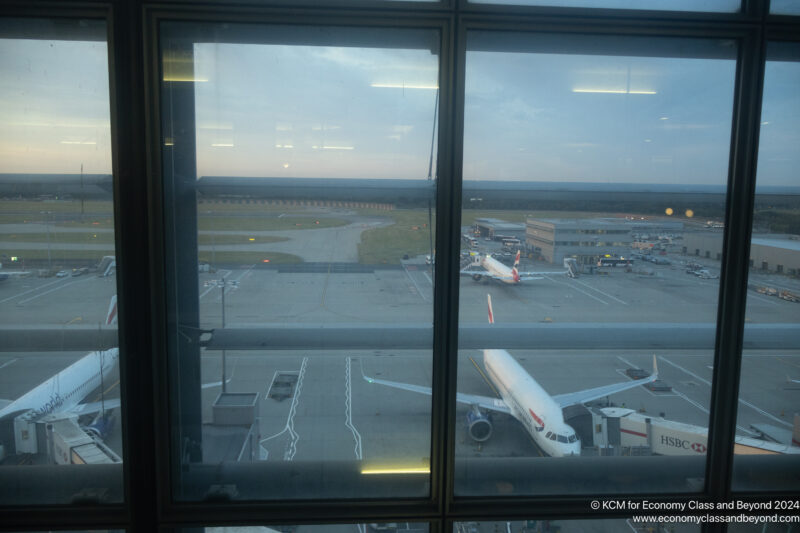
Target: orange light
265 261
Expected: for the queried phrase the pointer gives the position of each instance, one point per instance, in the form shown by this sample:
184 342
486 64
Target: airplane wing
538 275
493 404
94 407
575 398
215 384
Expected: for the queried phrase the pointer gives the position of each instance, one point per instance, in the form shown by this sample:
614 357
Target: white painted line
601 292
428 277
348 409
29 291
706 411
415 283
212 287
7 363
51 290
570 285
741 401
291 447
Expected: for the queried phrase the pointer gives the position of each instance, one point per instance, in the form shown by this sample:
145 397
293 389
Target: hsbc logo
683 444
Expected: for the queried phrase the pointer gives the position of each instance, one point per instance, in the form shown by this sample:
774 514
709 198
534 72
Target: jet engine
102 426
479 424
477 277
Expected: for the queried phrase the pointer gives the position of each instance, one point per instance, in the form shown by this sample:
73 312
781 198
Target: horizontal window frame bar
474 336
534 336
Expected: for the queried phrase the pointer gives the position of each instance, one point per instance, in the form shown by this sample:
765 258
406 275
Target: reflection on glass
770 378
59 356
588 175
678 524
313 231
723 6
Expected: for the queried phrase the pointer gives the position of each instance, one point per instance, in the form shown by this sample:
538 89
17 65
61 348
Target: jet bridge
58 439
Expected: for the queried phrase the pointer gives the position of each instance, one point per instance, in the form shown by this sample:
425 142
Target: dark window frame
138 203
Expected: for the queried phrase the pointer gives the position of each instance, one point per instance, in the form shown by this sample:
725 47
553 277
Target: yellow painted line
106 391
485 378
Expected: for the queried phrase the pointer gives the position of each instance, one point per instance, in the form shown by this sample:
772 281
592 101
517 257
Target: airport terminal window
770 377
288 157
59 372
601 118
312 159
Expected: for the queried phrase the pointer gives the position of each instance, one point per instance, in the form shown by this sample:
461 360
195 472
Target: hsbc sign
673 443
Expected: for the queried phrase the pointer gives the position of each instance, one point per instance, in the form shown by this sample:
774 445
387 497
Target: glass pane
589 164
305 246
770 377
676 524
784 7
58 342
723 6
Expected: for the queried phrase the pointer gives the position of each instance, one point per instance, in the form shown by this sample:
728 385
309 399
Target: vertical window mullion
735 265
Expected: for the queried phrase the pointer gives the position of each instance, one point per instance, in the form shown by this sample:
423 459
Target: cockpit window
573 438
562 438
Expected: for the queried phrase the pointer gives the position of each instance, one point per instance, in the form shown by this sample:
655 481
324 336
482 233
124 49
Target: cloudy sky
314 111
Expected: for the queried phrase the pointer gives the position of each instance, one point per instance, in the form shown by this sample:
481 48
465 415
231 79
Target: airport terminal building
587 239
778 253
492 227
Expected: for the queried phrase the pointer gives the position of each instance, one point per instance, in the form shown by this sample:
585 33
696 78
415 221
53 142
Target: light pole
222 284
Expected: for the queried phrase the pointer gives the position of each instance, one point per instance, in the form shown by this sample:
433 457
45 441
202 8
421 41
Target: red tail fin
491 313
516 259
111 317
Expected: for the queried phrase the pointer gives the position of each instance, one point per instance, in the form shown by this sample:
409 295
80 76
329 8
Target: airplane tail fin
515 268
111 317
491 313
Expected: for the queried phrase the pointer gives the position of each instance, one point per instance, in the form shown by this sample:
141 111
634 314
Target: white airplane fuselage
531 405
68 388
499 270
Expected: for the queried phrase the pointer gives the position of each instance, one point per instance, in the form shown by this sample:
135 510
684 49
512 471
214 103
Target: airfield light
265 261
669 211
689 213
14 258
251 239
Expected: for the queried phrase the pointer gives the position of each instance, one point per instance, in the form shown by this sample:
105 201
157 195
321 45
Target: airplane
496 270
523 398
64 392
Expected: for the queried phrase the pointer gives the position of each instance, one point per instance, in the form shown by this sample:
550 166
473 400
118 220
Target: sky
314 111
54 107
